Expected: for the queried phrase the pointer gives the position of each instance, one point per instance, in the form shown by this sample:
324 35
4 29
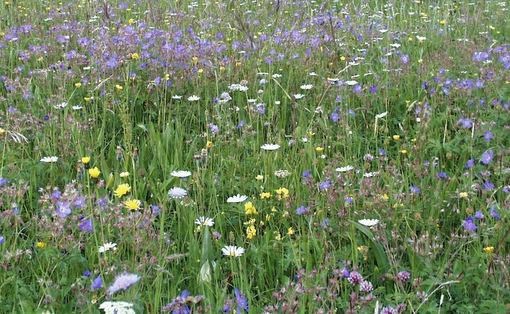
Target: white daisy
60 106
351 83
193 98
177 192
108 246
177 97
298 96
307 86
232 250
344 169
204 221
237 198
49 159
180 174
270 146
368 222
276 75
381 115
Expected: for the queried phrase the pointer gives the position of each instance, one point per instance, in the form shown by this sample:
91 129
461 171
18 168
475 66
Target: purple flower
366 286
404 58
466 122
403 276
478 215
97 283
470 163
442 175
335 116
373 89
355 278
214 128
56 195
301 210
122 282
487 157
488 136
155 209
388 310
306 174
494 213
470 225
345 272
382 152
488 185
178 305
325 185
3 181
86 225
63 209
351 112
414 189
86 273
481 56
241 124
325 222
79 202
2 240
358 88
241 300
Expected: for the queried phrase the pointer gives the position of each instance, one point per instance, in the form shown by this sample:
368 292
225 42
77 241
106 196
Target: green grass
403 97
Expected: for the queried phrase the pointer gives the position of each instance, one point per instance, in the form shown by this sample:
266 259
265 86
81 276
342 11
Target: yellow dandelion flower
319 149
122 190
259 177
489 249
463 194
2 131
135 56
85 160
119 87
404 151
41 244
133 204
396 137
94 172
209 144
290 231
78 85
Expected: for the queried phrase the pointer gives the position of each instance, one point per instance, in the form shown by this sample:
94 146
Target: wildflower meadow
262 156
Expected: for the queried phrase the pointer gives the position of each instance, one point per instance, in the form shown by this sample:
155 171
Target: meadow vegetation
267 156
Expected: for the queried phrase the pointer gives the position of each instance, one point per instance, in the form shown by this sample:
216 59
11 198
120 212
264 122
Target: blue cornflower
306 174
2 240
241 124
86 273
